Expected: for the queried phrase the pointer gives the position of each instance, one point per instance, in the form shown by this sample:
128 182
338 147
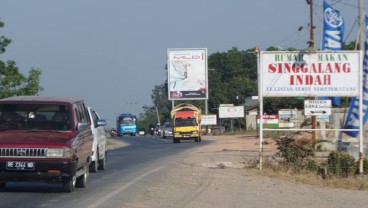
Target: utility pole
361 48
311 25
311 48
158 117
361 25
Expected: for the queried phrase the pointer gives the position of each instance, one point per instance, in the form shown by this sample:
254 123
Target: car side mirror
81 126
101 122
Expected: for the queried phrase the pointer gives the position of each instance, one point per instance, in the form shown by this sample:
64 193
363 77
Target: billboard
231 112
187 74
208 120
321 73
269 121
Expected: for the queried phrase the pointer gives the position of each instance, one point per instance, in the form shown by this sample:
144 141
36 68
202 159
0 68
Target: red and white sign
321 73
268 118
187 73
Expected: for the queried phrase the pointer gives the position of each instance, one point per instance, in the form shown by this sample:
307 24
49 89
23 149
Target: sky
112 53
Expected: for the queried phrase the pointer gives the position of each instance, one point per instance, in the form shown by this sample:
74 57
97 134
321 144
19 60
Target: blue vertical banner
352 118
332 36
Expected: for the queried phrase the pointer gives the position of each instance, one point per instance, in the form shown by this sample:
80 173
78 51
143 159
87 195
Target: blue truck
126 124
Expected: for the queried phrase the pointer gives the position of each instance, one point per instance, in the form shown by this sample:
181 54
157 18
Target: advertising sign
320 73
187 74
317 107
269 121
209 120
231 112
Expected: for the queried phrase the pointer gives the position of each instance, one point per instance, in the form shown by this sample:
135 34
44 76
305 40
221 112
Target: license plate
15 165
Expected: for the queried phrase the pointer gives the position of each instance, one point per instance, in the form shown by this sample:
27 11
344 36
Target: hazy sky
112 52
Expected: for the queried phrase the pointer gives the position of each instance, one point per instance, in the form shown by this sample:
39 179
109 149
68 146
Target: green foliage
365 166
295 151
12 81
351 46
233 75
272 105
341 164
3 40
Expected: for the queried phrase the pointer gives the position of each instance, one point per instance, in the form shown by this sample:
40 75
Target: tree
232 76
12 82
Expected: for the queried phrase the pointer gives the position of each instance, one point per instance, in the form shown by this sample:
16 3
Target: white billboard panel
231 112
317 107
321 73
187 74
207 120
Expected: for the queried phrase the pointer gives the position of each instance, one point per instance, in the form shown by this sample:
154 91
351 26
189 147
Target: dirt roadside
216 175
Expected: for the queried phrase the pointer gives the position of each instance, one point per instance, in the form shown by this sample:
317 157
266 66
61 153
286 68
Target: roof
250 103
184 114
40 99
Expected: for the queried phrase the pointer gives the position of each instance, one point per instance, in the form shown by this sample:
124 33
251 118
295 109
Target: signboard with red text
187 73
321 73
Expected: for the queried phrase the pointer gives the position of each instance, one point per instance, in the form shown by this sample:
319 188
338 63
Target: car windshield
127 121
35 117
185 121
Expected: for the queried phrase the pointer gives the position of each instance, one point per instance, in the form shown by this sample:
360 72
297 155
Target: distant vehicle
99 148
186 119
158 130
167 130
151 129
113 132
126 124
47 139
141 132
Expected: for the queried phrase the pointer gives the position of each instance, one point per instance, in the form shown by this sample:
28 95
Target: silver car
167 130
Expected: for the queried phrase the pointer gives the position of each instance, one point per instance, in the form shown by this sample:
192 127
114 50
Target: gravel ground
216 175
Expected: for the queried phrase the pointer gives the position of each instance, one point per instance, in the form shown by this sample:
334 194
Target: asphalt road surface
130 169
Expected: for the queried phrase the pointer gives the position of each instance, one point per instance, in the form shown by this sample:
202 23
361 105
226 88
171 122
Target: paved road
129 171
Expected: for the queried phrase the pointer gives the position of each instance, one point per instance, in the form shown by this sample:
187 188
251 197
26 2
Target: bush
365 166
298 154
295 150
341 164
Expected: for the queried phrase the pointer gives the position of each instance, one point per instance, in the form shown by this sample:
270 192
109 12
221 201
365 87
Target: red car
113 133
45 139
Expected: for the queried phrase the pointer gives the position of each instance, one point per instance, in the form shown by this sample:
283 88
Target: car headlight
58 152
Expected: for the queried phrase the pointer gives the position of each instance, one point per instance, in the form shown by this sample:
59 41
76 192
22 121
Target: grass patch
287 173
296 162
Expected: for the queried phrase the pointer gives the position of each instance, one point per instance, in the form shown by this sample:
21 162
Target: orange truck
186 120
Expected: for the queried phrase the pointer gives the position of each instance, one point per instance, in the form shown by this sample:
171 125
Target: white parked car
99 147
167 130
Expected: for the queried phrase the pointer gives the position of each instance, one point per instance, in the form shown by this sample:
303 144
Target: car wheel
2 185
93 167
69 184
176 140
82 180
102 163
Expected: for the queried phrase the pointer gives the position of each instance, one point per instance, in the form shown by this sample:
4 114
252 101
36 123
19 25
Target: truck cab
186 119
